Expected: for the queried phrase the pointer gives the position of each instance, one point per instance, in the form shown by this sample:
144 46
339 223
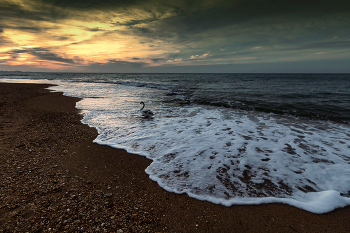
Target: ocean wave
213 150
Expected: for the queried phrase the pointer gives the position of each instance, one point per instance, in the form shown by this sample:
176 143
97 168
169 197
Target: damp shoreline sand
54 178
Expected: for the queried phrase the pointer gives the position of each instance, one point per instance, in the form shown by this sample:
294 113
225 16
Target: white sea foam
223 155
232 157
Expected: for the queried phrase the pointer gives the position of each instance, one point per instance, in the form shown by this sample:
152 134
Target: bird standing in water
145 112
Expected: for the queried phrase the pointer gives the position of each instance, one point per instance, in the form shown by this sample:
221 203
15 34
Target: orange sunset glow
160 36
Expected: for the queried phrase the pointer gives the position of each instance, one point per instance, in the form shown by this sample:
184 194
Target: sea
230 139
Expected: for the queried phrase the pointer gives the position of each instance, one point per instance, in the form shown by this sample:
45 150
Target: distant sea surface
225 138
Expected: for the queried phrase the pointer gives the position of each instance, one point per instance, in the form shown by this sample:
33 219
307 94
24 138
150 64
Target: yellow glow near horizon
92 36
20 37
4 57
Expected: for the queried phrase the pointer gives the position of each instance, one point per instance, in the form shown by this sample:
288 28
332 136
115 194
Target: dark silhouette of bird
145 112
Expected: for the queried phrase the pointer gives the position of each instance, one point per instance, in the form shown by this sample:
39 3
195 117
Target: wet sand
54 178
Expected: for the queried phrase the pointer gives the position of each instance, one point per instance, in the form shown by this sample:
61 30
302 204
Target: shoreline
53 177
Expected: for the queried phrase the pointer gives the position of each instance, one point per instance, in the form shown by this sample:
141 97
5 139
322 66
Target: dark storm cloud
39 11
223 9
189 24
51 57
91 4
189 16
41 54
246 6
284 6
8 9
182 30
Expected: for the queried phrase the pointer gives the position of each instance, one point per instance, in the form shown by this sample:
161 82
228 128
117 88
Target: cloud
340 44
196 57
134 22
94 29
31 11
115 66
41 54
90 4
240 25
4 41
34 29
150 34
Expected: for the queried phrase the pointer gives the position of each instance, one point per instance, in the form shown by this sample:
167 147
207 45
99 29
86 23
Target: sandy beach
53 178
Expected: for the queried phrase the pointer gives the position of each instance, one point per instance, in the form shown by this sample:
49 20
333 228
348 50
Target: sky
175 36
